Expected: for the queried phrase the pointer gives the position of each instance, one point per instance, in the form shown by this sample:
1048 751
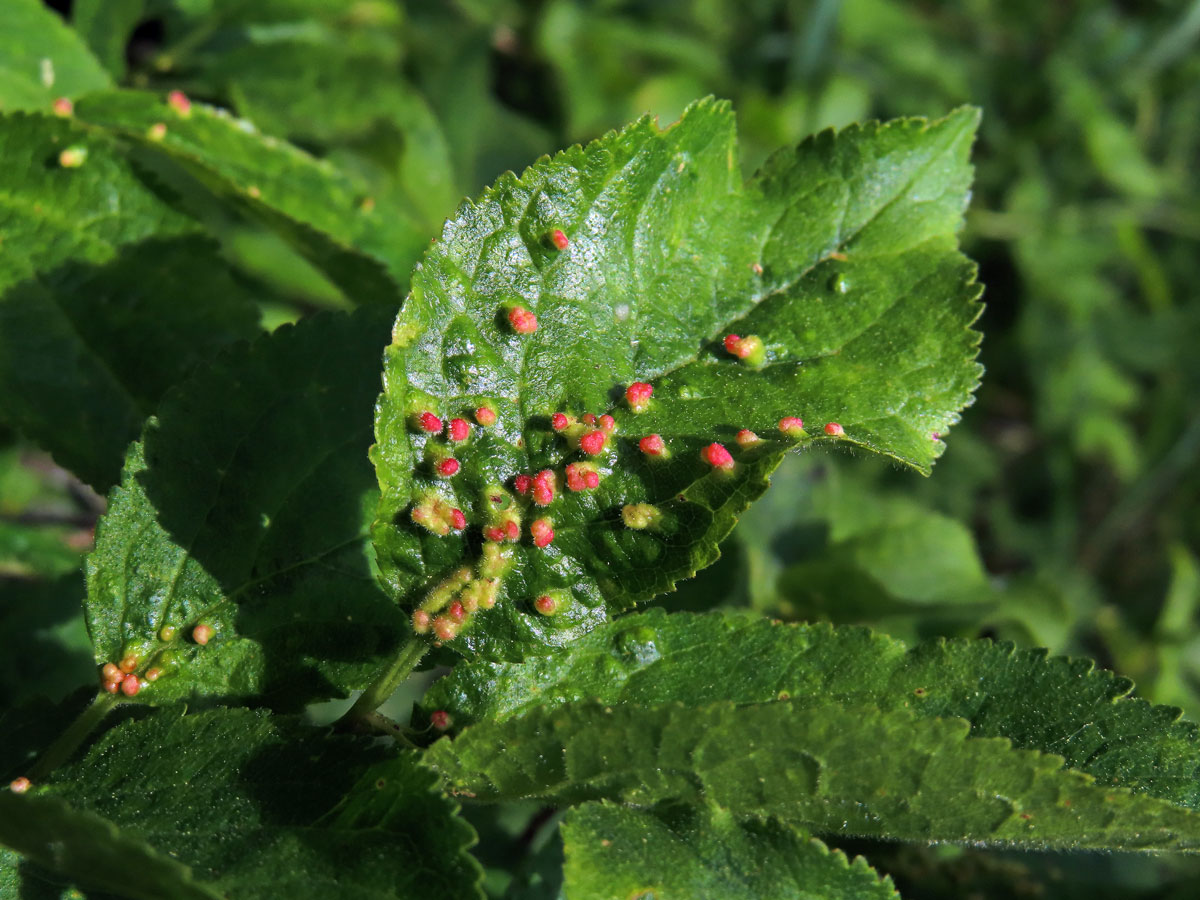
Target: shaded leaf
317 208
220 790
92 850
107 296
840 255
247 513
847 770
1059 706
613 851
42 59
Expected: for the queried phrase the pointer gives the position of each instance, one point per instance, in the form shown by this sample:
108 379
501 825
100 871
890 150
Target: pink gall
457 612
130 686
748 349
747 438
128 664
590 419
420 622
717 456
522 320
593 443
179 102
20 785
63 107
792 426
457 520
653 445
608 424
637 395
111 672
485 416
445 628
202 634
833 429
440 719
544 487
542 531
523 484
153 674
559 239
546 605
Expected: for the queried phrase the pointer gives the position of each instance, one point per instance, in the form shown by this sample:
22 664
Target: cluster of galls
448 608
123 676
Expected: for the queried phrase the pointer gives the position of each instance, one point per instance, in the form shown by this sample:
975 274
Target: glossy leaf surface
839 257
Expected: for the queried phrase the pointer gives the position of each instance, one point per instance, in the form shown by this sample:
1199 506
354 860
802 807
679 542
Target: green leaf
42 59
840 255
846 770
1059 706
107 295
91 850
617 852
267 807
107 26
321 211
247 512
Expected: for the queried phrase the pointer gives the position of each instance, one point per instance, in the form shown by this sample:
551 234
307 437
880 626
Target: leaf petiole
68 742
386 683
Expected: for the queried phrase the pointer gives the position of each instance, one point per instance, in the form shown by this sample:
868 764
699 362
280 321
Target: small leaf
245 515
42 59
1059 706
91 850
317 208
107 296
847 770
267 807
613 851
628 262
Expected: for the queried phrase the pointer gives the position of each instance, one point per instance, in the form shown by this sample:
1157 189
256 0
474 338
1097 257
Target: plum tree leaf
365 247
637 255
1059 706
42 59
91 850
218 791
108 295
613 851
247 513
833 769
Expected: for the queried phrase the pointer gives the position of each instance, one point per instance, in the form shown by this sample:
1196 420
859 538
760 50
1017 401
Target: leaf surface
91 850
262 806
324 213
613 851
42 59
1059 706
834 769
839 255
107 295
246 512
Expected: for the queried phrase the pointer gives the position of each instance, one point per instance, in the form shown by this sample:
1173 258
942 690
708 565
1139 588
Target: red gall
560 421
485 416
833 429
459 429
559 239
543 487
546 605
542 531
653 445
637 395
440 719
429 423
457 520
63 107
608 424
522 320
448 467
130 686
717 456
593 442
747 438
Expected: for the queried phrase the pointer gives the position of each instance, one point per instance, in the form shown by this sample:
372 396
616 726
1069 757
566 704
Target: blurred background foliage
1064 513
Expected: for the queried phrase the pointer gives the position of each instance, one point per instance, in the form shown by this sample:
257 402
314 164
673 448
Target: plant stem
387 682
68 742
